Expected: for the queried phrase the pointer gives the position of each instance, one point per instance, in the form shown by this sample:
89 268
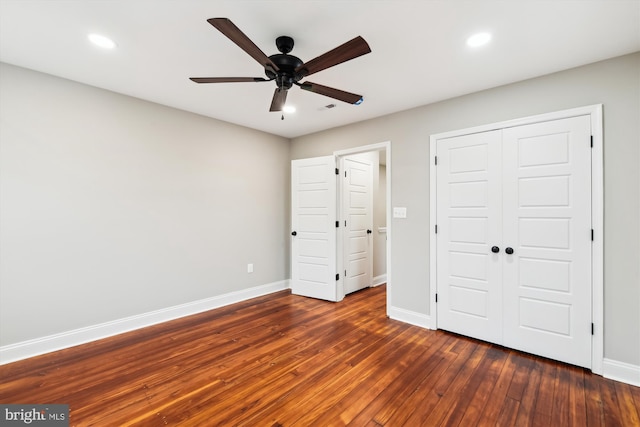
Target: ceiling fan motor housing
286 77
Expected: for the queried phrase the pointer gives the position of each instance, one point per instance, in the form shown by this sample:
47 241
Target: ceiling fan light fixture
289 109
479 39
101 41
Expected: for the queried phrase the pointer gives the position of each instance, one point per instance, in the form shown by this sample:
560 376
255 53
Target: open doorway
317 227
362 218
378 155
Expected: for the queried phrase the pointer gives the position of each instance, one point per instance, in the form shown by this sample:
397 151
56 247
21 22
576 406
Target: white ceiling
419 55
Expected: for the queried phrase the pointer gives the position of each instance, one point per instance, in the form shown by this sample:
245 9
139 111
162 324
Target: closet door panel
547 222
469 215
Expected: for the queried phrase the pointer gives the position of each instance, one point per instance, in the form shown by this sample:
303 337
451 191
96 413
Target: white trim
25 349
388 225
363 149
620 371
597 248
380 280
539 118
411 317
386 145
433 259
597 214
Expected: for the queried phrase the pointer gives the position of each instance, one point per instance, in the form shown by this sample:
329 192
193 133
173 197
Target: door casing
597 210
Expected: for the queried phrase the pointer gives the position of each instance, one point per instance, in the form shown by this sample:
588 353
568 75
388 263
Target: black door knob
368 231
509 251
495 249
293 233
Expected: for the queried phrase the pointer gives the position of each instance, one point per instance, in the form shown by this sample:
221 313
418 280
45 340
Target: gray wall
615 83
112 206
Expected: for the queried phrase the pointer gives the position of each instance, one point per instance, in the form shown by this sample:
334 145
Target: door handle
509 251
368 231
293 233
495 249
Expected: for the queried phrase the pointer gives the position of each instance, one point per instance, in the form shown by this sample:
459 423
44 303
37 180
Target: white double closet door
514 238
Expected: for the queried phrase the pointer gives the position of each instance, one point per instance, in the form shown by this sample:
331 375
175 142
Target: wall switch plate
249 268
399 212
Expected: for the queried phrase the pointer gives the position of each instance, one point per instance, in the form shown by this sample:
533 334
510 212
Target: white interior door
547 223
313 221
469 225
514 237
357 208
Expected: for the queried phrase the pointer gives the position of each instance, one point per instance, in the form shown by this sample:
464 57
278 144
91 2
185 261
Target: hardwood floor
284 360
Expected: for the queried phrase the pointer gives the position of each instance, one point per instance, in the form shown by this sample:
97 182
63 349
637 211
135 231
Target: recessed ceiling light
289 109
102 41
479 39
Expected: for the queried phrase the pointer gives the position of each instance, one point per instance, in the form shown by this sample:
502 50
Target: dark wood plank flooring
284 360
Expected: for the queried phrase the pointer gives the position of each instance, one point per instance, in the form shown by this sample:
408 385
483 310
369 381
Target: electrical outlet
249 268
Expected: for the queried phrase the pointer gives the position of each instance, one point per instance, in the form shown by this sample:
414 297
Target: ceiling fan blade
341 95
227 79
233 33
279 98
345 52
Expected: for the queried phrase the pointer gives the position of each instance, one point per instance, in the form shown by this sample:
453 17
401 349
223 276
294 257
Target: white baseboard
411 317
379 280
25 349
620 371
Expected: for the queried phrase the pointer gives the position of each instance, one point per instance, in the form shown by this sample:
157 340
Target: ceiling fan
287 70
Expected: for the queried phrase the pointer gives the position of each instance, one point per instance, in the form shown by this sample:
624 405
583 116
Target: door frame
381 146
597 215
